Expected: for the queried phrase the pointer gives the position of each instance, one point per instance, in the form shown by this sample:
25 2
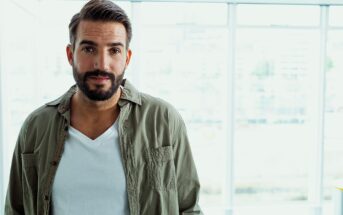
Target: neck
92 118
95 109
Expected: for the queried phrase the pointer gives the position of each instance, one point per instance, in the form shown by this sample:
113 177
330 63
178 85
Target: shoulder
40 117
152 102
149 100
35 126
44 112
51 110
161 107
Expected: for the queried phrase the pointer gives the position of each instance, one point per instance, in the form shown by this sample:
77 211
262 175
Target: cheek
84 65
118 65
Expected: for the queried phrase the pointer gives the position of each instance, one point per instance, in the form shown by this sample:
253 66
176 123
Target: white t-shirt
90 178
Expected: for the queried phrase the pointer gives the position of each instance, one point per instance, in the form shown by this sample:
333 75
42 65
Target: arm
188 185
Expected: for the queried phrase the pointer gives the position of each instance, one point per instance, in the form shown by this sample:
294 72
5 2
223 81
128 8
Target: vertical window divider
316 188
229 188
2 161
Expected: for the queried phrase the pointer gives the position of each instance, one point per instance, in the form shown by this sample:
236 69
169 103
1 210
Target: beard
97 94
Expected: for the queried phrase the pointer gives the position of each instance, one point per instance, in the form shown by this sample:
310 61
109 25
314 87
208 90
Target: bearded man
103 147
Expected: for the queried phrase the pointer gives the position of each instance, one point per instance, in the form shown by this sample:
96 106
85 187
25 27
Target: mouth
99 79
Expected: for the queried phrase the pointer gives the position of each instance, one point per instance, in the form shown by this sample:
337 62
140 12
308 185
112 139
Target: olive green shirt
160 173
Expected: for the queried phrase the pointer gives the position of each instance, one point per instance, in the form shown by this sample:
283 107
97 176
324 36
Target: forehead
101 32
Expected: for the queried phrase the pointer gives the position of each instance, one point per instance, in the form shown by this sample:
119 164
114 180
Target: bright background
258 85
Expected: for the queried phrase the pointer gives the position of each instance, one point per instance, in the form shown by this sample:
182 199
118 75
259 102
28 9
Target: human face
99 58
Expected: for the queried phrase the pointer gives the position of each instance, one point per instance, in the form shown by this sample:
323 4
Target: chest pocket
160 168
29 170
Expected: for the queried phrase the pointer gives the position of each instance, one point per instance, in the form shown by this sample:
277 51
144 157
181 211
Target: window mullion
229 188
316 185
2 6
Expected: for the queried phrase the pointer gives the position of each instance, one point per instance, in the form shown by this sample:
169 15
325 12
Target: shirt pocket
29 170
160 168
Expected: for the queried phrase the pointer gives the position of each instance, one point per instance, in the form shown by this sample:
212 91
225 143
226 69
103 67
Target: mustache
98 73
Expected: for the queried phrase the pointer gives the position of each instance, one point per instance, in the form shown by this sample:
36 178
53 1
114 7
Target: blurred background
258 83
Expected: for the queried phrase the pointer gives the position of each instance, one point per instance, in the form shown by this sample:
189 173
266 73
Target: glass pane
336 16
187 66
273 210
276 72
334 114
184 13
17 69
285 15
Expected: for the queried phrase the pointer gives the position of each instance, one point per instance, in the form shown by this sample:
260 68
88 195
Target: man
103 147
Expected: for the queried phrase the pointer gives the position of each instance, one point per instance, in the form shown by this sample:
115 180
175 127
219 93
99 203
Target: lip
99 78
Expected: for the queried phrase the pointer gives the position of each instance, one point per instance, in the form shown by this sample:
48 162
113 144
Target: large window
247 79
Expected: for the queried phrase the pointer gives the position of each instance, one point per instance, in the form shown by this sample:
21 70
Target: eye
115 51
88 49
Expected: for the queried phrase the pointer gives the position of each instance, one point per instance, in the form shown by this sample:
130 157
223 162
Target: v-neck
97 141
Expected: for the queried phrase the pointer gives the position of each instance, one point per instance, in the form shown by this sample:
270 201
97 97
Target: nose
102 62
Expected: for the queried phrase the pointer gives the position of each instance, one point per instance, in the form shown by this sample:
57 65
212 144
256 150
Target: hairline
73 43
126 43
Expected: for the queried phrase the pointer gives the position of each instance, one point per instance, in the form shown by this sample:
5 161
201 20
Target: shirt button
46 197
62 108
53 163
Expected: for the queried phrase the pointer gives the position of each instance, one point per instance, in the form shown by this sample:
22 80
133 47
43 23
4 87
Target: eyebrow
89 42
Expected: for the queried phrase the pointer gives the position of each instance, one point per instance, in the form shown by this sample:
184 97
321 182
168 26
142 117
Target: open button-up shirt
160 173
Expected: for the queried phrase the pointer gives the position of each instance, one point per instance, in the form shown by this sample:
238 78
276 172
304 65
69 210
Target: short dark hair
100 10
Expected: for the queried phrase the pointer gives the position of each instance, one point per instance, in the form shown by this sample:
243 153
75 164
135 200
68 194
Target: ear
69 50
128 57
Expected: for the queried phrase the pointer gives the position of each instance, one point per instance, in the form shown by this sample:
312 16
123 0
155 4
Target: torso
90 178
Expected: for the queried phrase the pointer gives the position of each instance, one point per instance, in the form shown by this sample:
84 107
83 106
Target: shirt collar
129 93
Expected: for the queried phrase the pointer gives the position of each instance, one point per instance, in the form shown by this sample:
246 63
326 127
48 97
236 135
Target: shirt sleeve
188 185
